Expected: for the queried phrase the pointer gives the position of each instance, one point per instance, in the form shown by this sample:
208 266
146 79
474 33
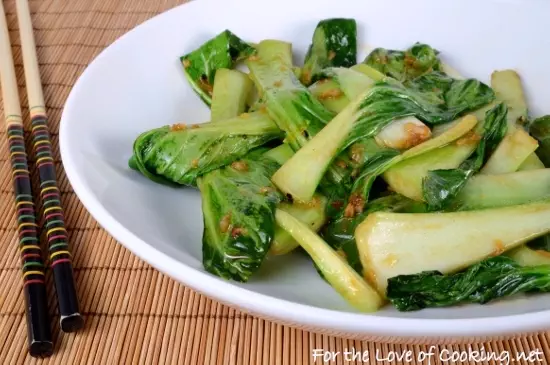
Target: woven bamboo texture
134 314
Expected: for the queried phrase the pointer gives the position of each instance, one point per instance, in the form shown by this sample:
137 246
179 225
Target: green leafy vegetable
385 158
440 187
452 95
365 117
334 44
481 283
291 105
405 65
200 65
340 233
399 177
238 205
179 154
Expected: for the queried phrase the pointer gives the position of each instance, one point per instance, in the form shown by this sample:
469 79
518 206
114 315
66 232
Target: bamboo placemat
134 314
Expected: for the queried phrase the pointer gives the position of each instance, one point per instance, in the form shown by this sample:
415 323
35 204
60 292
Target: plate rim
253 302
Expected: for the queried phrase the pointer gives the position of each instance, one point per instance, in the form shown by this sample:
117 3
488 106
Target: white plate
137 84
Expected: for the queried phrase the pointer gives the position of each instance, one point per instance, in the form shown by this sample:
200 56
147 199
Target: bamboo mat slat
156 321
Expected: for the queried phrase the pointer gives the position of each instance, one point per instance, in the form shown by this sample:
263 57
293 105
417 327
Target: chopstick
39 335
59 254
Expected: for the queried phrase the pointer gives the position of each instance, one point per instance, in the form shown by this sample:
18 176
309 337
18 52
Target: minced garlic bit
342 254
178 127
357 202
195 126
278 83
253 58
195 163
265 189
238 231
205 85
543 253
356 153
239 165
349 212
306 77
469 138
245 116
410 61
330 94
416 134
342 164
499 247
186 63
331 55
225 222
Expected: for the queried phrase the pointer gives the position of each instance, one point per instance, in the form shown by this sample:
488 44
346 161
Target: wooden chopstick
58 241
38 322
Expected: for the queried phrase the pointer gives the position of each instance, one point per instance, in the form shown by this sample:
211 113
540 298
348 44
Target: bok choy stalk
385 159
338 85
511 152
340 233
201 65
333 268
440 187
373 110
516 151
238 205
313 214
499 190
488 280
405 65
334 44
232 89
179 154
290 104
392 244
328 92
406 177
508 89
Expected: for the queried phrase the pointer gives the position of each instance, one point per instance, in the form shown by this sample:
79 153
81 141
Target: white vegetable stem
335 269
511 152
313 159
392 244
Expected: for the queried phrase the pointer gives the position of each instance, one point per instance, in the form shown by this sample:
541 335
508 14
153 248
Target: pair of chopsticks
40 341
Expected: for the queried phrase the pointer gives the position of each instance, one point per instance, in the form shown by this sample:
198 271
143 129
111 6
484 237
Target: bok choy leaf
486 281
238 205
440 187
222 51
334 44
179 154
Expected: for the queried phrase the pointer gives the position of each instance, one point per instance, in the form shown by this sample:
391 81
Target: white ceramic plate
137 84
